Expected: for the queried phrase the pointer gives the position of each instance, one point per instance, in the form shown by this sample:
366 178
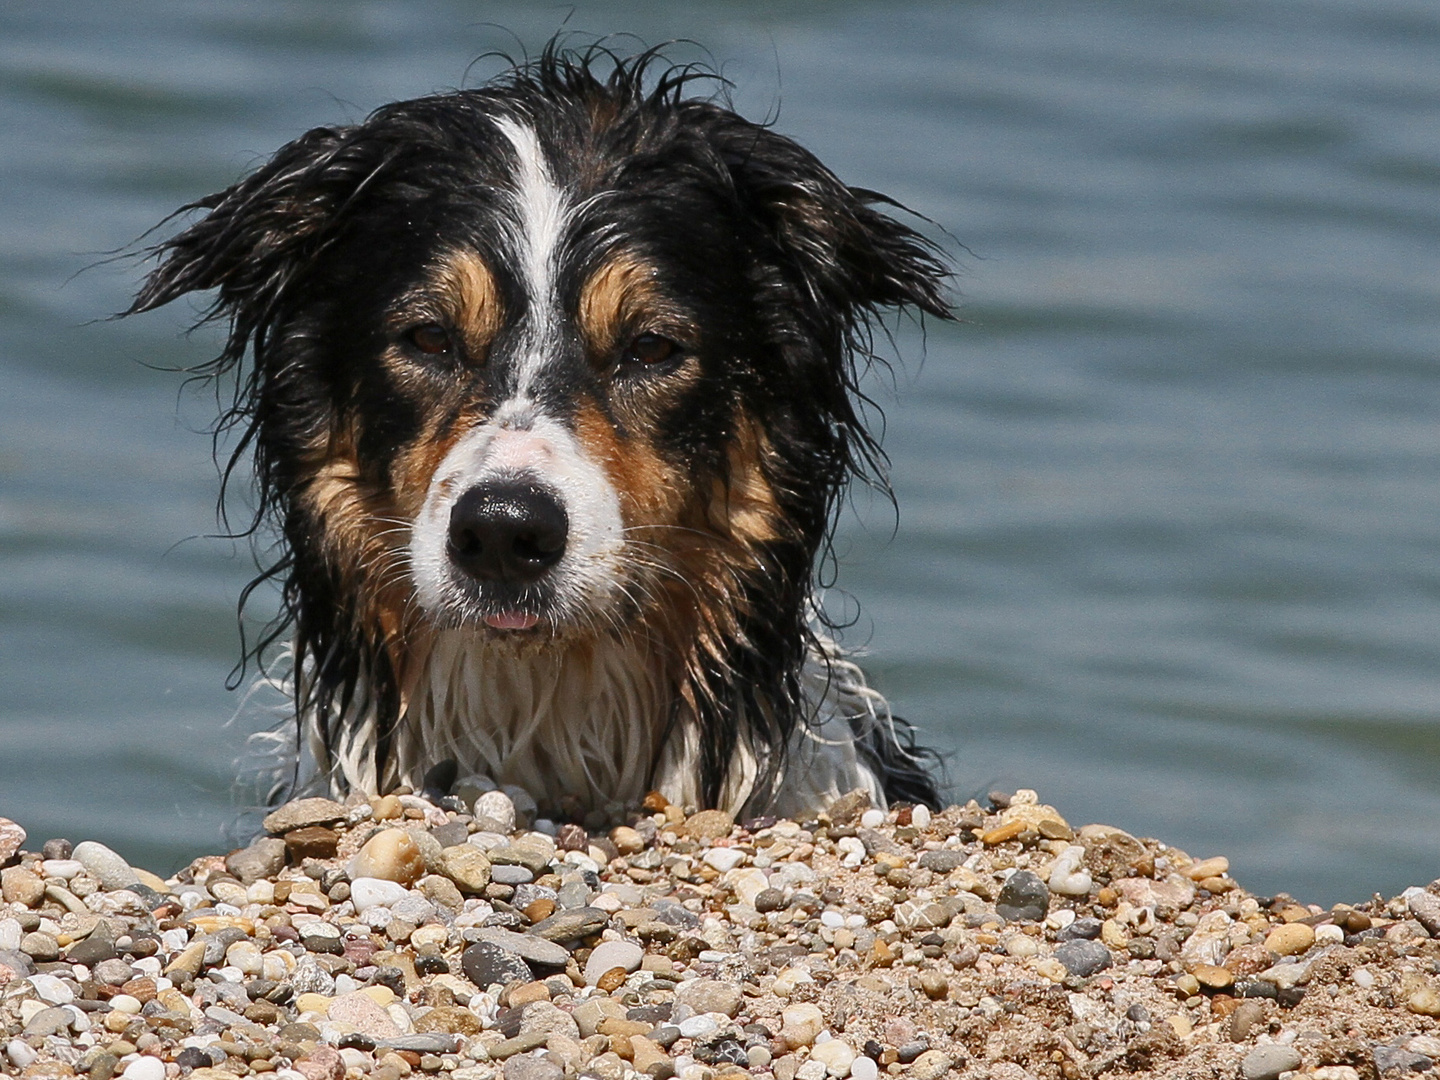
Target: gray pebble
105 866
303 813
49 1021
263 859
527 1067
571 925
1268 1062
504 874
485 963
1397 1059
942 861
1082 929
1083 958
1024 897
612 954
534 949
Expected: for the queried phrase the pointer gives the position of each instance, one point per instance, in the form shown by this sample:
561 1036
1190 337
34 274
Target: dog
551 391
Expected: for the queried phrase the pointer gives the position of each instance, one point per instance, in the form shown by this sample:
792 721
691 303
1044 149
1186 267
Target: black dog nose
507 531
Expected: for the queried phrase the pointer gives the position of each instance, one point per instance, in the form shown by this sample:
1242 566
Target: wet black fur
788 268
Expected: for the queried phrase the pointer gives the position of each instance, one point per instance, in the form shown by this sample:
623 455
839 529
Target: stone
1212 977
311 842
1425 907
499 807
40 947
505 874
105 866
1425 1001
571 925
725 858
368 892
549 1019
49 1021
1083 958
361 1012
942 860
707 825
12 837
1024 897
485 963
836 1055
465 865
931 1065
1244 1019
609 955
527 1067
390 855
799 1024
21 886
534 949
1068 876
449 1018
321 1063
302 813
532 857
844 810
1400 1061
710 996
1269 1061
1291 939
145 1068
864 1068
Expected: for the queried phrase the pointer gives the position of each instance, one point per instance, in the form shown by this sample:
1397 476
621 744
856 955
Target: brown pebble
654 802
1246 1015
1002 833
1212 977
934 984
1292 939
540 909
1425 1001
312 842
708 825
611 979
528 992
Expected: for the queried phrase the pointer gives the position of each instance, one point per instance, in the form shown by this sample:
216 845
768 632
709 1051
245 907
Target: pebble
864 1068
368 892
1269 1061
390 855
1024 897
836 1055
799 1024
710 996
1068 877
145 1068
302 813
497 806
725 858
12 836
1291 939
1083 958
609 955
105 866
263 859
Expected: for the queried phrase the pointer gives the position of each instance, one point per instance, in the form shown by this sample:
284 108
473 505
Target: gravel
977 942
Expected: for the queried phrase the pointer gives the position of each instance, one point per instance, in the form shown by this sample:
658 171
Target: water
1167 547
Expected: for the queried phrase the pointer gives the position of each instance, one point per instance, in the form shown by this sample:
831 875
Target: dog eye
431 338
649 349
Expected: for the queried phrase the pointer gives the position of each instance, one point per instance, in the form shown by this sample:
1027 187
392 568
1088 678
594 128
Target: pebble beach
460 937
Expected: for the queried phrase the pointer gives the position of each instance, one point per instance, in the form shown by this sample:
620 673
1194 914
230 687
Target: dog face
554 360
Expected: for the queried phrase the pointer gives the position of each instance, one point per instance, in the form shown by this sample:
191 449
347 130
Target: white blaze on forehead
542 213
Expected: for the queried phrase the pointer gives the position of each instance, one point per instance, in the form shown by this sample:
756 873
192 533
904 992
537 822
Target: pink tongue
512 620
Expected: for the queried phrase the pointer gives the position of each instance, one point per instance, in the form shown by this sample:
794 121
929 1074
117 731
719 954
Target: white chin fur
586 583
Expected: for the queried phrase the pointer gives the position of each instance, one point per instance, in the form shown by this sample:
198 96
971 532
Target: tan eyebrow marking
470 290
619 295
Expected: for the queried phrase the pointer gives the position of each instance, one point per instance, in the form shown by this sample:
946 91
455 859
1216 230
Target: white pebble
145 1068
872 819
125 1003
864 1068
61 868
1329 934
724 858
920 817
855 922
832 919
52 990
497 805
1364 978
10 934
851 849
21 1053
367 892
696 1027
172 941
1067 876
147 965
814 1069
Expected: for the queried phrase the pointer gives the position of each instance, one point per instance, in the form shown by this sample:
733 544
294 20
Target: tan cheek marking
651 491
468 285
746 509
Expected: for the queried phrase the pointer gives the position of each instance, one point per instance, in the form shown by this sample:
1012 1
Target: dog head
566 356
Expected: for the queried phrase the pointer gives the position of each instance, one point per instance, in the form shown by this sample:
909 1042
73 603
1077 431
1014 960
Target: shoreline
403 937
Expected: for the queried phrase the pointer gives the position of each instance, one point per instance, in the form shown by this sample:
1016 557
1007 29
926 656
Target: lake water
1168 547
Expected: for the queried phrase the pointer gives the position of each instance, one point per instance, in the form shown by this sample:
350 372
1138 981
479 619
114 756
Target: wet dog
550 387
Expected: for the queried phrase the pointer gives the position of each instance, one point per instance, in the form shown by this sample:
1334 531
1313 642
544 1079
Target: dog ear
257 234
847 258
